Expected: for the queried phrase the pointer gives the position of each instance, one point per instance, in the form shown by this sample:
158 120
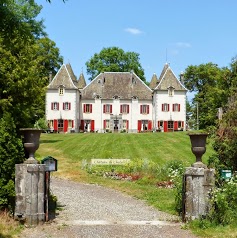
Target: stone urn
31 143
198 146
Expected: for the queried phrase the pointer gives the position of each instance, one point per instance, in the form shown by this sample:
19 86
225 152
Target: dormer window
134 98
116 97
61 90
171 91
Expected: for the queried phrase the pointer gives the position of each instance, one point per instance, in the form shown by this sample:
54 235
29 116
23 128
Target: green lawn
71 149
158 147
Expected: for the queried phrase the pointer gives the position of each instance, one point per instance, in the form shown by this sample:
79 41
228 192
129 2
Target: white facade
115 102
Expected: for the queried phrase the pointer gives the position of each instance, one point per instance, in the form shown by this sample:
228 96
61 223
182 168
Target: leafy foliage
27 57
11 153
224 203
114 59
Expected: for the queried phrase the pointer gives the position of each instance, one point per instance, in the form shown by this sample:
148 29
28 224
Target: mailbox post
51 165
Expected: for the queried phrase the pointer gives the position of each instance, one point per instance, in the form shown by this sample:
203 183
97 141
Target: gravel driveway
93 211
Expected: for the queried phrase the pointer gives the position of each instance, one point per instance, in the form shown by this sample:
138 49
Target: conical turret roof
154 81
81 81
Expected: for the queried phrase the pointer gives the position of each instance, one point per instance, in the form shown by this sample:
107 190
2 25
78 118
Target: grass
8 227
71 149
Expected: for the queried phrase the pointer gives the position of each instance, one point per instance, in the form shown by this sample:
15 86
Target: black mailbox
51 164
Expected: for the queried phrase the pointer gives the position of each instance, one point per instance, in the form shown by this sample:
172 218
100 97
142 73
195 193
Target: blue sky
180 32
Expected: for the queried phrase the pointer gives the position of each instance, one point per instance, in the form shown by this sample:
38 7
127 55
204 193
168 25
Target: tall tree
206 80
114 59
27 56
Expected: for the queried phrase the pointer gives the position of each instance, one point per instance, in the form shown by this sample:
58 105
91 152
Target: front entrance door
60 125
116 123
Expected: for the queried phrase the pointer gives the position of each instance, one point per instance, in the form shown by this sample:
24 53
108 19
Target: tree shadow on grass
48 141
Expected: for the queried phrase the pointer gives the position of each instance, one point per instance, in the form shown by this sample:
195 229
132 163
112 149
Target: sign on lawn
109 161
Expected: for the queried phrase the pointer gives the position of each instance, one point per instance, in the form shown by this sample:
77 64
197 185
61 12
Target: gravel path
92 211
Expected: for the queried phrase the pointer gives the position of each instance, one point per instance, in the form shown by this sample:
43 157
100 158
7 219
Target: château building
115 102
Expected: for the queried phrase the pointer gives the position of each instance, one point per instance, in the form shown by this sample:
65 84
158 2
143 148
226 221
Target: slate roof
125 85
64 77
168 79
81 81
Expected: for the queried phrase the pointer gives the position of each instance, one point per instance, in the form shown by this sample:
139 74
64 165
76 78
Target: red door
92 125
139 126
175 125
149 125
165 126
65 125
82 125
55 125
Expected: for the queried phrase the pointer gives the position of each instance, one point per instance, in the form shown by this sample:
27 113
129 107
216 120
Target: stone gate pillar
30 190
198 183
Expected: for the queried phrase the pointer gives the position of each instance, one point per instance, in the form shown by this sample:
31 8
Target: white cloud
183 44
133 31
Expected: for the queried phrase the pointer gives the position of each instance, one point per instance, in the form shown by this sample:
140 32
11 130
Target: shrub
224 203
11 153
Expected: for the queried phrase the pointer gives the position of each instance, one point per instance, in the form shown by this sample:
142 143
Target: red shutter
72 123
55 125
82 125
65 125
139 125
103 108
69 106
168 107
147 109
127 108
58 106
165 126
141 109
149 124
183 124
63 106
104 124
51 105
175 125
173 107
92 125
162 107
127 124
121 108
90 108
179 108
110 108
158 124
84 108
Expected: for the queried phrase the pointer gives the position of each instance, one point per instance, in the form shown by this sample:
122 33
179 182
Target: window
106 124
124 109
55 106
61 90
60 123
50 124
176 107
87 108
144 109
165 107
144 125
170 124
179 124
171 91
107 108
66 106
125 122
